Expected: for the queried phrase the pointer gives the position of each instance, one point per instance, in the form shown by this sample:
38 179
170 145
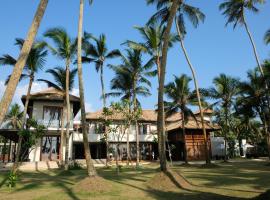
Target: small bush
75 166
12 180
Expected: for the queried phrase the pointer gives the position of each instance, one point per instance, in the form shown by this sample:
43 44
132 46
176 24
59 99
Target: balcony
54 124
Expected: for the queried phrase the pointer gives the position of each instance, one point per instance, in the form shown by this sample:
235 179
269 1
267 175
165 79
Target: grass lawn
234 181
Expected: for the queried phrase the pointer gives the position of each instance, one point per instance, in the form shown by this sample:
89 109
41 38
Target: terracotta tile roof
192 124
147 115
50 94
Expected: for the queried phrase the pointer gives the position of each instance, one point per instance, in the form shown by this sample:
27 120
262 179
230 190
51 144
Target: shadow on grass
228 175
59 179
3 182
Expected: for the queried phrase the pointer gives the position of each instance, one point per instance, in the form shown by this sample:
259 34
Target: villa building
47 108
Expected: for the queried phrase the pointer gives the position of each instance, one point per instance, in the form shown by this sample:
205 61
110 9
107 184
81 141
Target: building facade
47 107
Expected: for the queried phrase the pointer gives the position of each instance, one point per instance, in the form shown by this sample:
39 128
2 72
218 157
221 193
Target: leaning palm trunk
18 68
68 116
18 151
104 106
161 116
206 145
90 166
254 49
184 138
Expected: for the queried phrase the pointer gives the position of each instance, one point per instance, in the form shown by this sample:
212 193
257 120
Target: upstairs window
143 129
52 113
99 128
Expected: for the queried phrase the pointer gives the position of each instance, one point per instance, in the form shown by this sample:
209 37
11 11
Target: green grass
230 181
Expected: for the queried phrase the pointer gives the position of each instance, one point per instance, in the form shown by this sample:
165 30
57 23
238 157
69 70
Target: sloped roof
147 115
192 124
50 94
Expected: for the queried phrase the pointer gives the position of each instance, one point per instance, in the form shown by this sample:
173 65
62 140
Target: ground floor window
148 151
50 148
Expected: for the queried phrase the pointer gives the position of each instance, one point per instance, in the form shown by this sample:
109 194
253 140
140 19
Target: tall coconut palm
34 63
235 12
267 37
21 61
133 66
195 16
59 75
90 166
14 117
65 49
152 35
161 116
180 96
99 54
225 90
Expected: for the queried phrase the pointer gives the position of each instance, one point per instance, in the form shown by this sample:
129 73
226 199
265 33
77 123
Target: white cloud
22 90
75 92
88 108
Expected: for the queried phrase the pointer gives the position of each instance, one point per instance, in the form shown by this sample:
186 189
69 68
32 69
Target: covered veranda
8 145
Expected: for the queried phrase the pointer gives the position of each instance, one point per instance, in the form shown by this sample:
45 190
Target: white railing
54 124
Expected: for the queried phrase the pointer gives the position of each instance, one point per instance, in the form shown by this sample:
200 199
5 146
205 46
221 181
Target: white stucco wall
95 137
38 111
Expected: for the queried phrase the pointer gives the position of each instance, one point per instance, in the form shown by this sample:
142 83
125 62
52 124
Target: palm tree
235 12
181 96
254 99
98 54
224 92
65 49
195 16
152 44
21 61
59 75
161 116
267 37
34 63
90 166
132 66
14 117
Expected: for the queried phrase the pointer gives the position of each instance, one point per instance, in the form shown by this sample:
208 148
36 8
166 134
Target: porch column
9 149
4 151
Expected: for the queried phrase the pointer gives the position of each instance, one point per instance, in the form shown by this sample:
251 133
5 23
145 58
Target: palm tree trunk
225 134
17 158
62 141
161 117
254 48
68 115
18 68
102 87
184 137
128 133
206 145
104 106
158 66
136 124
90 166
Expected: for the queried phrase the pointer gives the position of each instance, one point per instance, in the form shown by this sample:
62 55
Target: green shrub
75 166
12 180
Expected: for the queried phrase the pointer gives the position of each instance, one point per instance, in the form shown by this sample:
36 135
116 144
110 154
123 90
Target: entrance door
50 148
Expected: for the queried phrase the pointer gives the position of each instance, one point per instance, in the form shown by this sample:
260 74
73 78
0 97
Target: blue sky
213 48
